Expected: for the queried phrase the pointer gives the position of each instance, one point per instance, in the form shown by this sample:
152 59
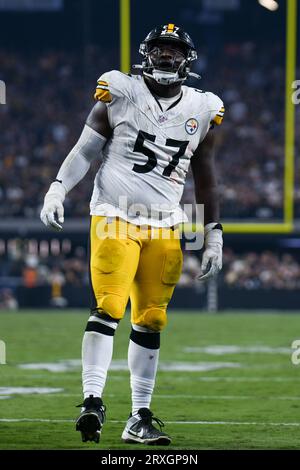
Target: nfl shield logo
191 126
162 119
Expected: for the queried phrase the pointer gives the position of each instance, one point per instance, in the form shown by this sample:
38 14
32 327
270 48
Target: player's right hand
52 213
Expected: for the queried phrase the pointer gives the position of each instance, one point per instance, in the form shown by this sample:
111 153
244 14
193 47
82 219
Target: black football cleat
139 429
91 419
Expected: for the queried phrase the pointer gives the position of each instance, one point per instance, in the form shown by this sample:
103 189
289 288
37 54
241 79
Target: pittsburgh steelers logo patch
191 126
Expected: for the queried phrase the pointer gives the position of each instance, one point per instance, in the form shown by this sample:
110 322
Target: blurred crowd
250 271
265 270
48 99
250 144
49 95
20 269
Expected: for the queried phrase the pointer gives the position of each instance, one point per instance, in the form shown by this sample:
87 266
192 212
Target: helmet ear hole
143 49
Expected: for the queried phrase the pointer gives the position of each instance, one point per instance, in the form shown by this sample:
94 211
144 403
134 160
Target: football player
148 128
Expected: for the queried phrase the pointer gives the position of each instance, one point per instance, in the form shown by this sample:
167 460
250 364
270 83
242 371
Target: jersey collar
161 116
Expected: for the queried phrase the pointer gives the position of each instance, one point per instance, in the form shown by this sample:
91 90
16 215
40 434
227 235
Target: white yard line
176 378
237 379
203 423
192 397
220 350
122 365
226 397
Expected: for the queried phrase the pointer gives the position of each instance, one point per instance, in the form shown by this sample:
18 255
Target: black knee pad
146 340
106 326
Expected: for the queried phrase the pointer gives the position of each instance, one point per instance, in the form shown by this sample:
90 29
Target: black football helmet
168 52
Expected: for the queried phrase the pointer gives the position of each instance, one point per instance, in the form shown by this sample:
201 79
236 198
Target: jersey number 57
152 160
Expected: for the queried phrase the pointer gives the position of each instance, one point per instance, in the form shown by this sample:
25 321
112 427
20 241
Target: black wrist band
218 227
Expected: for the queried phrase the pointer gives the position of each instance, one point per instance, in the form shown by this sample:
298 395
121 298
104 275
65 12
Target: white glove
212 256
53 206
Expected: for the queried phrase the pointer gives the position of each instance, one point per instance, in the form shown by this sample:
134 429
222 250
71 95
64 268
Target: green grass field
252 403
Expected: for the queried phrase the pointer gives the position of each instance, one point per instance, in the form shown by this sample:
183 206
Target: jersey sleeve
111 86
103 92
112 89
216 109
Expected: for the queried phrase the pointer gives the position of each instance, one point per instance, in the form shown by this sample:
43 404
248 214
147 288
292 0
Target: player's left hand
211 262
212 256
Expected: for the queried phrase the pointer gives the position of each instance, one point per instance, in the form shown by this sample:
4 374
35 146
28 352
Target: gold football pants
143 263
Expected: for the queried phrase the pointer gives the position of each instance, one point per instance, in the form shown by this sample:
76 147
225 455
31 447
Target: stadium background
242 394
50 61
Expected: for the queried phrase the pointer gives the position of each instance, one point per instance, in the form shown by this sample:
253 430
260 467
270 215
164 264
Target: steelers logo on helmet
191 126
170 29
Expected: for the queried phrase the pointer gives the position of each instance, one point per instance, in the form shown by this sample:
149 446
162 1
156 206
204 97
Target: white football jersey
146 160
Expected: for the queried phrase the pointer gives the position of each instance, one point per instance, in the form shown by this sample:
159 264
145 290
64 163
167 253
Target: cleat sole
159 441
89 427
162 441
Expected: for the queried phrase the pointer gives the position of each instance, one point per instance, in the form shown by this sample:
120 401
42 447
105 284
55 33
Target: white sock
142 362
97 349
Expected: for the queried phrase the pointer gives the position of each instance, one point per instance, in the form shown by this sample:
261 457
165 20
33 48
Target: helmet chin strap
163 77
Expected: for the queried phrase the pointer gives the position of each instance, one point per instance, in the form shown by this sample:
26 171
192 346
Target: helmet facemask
168 52
167 62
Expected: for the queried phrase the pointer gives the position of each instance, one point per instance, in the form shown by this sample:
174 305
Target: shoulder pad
111 85
216 108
